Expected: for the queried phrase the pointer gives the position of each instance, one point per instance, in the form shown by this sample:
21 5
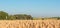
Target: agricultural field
29 23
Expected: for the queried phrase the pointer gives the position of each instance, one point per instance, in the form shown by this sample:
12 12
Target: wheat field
29 23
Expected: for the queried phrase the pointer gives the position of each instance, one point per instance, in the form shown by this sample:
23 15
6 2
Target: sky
36 8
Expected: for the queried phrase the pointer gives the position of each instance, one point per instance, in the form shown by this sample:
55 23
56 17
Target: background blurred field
27 21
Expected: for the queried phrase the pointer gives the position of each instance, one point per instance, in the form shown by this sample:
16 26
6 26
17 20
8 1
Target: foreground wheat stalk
29 23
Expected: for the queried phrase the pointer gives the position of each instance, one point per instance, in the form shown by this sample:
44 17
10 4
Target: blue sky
36 8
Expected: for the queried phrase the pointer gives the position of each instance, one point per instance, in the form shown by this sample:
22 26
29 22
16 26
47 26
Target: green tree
23 16
11 17
3 15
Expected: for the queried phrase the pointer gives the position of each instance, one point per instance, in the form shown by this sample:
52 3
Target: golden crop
29 23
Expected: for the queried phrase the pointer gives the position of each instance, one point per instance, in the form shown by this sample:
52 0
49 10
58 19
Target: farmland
29 23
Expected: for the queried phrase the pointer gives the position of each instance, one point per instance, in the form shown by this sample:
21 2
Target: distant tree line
56 18
6 16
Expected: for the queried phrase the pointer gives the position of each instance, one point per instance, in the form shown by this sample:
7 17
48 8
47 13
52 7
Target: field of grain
29 23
